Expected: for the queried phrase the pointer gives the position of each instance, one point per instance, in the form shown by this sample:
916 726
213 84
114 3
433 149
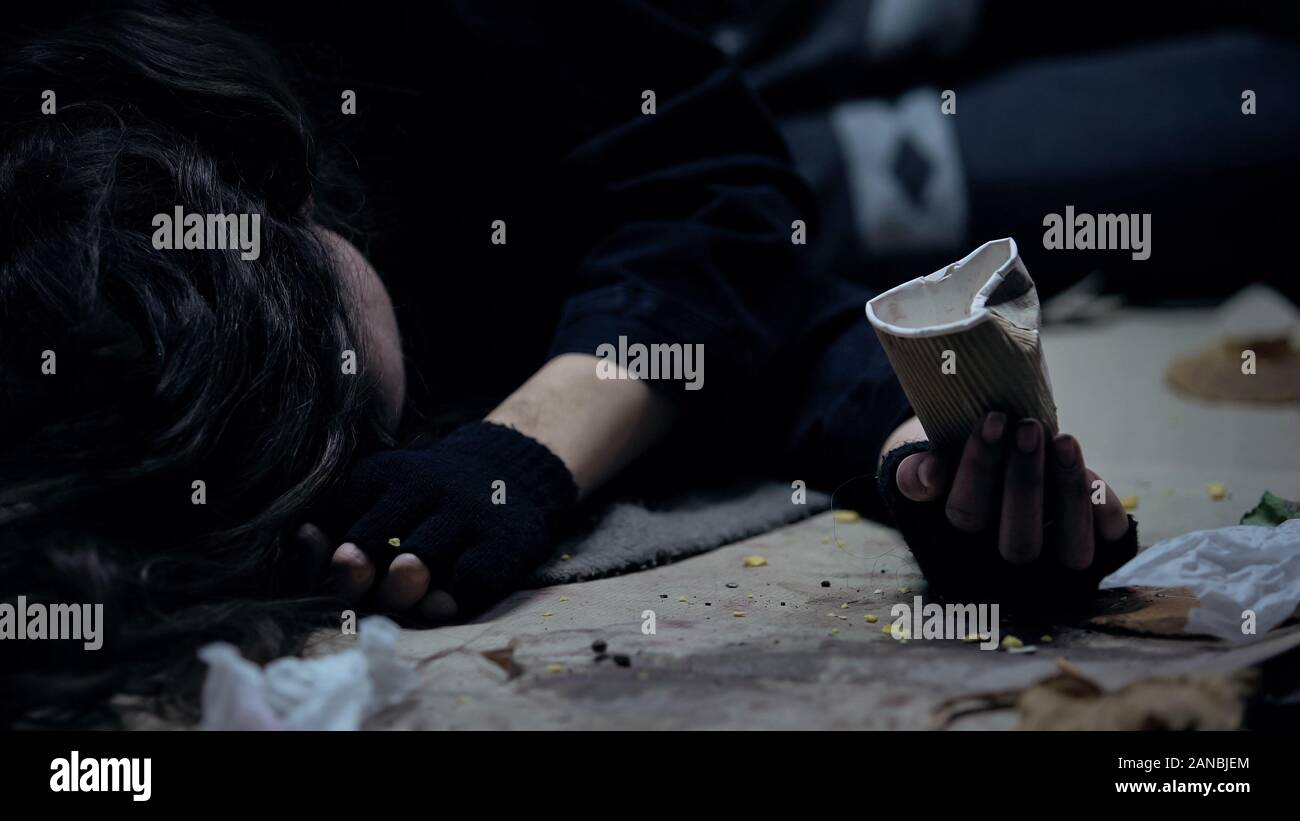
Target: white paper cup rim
986 267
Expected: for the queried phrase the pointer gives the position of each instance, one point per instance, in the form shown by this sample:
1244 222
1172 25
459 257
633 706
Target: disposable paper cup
980 317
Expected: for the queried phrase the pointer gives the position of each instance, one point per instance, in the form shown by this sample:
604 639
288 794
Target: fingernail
348 550
1067 452
927 472
994 424
1027 436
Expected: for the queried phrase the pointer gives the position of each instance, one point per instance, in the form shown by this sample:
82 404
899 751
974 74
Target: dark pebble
623 661
826 584
598 645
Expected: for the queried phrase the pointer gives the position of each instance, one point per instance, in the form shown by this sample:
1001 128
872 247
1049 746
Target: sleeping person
218 447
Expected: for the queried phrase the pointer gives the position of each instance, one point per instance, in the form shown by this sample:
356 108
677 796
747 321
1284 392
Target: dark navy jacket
670 227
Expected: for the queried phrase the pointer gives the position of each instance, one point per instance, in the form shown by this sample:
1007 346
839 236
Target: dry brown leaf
505 659
1070 700
1152 611
1195 701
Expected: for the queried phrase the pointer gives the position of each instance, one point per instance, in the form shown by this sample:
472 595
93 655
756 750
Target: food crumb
395 542
1010 642
845 517
1045 637
1129 502
564 557
555 668
844 606
547 613
904 590
1216 491
871 618
682 599
755 561
740 614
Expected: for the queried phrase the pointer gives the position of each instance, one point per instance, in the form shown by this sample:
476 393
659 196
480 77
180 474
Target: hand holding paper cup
964 341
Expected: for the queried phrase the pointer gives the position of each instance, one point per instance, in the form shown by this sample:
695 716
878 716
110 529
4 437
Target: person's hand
445 531
352 574
1013 503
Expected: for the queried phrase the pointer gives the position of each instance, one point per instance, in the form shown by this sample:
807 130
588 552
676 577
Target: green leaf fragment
1272 510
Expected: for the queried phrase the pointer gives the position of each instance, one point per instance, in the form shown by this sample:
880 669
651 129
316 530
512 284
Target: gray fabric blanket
625 535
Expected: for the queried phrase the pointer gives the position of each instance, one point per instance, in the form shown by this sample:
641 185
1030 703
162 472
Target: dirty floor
803 654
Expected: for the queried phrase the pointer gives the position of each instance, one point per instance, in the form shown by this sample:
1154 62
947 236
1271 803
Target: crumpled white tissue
335 692
1232 569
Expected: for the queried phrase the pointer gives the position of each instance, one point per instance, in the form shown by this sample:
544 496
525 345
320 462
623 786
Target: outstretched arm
595 426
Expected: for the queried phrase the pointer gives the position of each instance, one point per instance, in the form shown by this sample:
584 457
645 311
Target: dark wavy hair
170 366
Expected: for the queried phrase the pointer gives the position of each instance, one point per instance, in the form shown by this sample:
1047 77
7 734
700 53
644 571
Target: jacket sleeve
688 212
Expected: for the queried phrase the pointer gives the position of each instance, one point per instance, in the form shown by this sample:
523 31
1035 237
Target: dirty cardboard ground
791 661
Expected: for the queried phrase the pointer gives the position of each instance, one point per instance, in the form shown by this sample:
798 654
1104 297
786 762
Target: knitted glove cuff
527 466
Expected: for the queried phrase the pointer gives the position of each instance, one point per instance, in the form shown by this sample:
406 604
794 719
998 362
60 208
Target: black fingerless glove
963 567
482 509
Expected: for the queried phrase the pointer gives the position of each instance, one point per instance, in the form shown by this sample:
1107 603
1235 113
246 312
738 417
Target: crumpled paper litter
334 692
1230 570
